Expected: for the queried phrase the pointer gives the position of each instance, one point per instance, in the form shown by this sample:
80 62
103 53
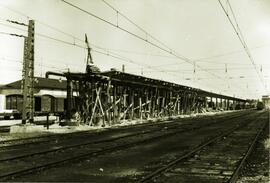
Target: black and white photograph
125 91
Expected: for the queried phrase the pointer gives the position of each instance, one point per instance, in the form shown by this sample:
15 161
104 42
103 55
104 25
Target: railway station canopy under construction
110 96
114 95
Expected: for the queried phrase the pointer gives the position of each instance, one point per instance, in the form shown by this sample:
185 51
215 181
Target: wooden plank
109 102
140 108
95 106
132 107
114 105
163 106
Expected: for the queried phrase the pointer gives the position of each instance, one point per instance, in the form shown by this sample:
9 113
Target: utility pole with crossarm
28 75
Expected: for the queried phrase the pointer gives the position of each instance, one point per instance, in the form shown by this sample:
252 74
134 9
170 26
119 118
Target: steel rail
54 136
188 154
235 175
180 129
86 133
90 154
79 157
49 138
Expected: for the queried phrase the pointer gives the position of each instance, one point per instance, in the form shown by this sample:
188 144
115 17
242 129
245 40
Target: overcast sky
195 29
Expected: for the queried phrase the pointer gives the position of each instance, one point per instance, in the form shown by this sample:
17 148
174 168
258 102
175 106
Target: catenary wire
241 39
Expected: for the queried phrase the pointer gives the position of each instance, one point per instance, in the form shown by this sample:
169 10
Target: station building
49 95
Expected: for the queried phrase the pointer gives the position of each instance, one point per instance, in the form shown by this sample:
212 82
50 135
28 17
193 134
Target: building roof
127 77
123 76
56 84
40 83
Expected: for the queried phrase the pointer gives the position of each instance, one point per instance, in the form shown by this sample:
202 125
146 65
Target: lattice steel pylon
28 75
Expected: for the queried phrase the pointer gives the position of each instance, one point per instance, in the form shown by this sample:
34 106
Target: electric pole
28 75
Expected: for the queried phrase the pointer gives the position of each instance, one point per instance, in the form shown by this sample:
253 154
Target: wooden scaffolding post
132 107
146 108
163 106
157 103
114 104
28 75
178 104
175 107
153 101
165 103
109 102
206 103
170 104
189 104
125 107
120 103
221 103
151 111
185 103
69 98
140 107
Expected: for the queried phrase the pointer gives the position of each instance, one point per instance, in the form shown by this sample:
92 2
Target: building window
14 102
8 106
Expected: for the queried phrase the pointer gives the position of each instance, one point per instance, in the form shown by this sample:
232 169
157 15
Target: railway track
82 140
58 137
59 155
256 168
219 159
